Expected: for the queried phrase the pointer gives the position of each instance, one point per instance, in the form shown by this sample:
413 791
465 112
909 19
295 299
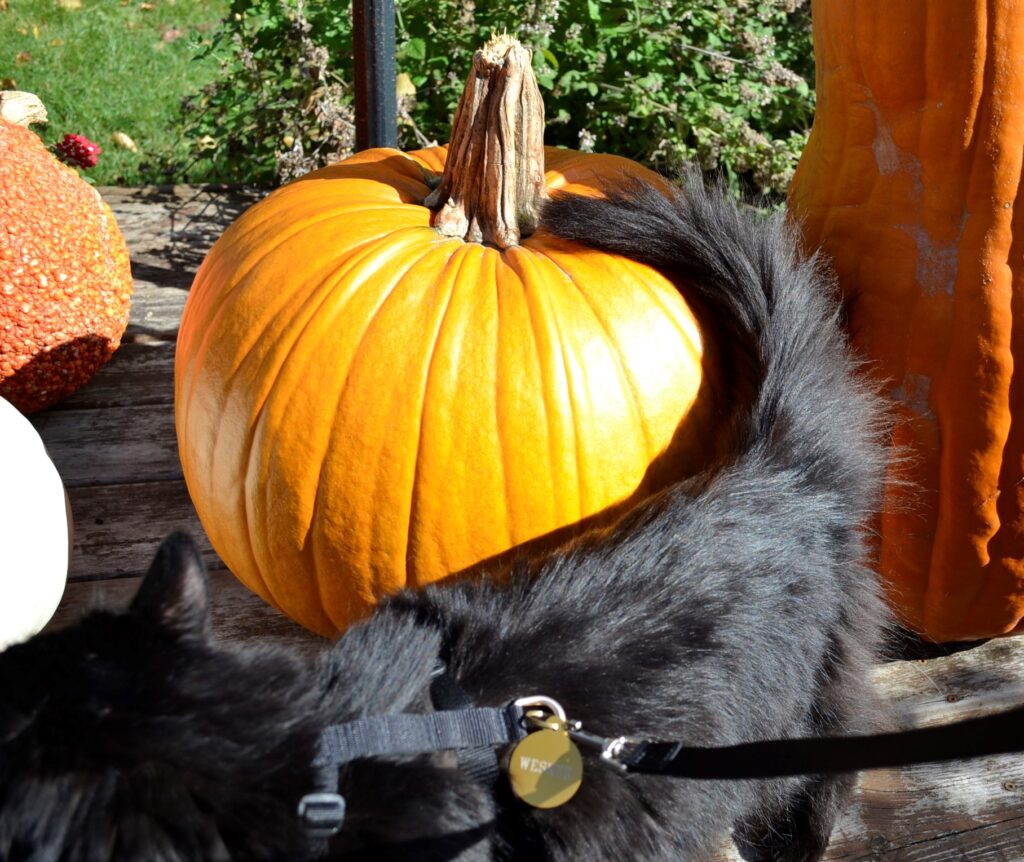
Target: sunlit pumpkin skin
363 404
911 183
65 277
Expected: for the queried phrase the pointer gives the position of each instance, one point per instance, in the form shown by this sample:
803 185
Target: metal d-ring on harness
470 728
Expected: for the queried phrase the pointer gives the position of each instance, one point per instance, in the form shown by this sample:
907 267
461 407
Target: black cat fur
733 607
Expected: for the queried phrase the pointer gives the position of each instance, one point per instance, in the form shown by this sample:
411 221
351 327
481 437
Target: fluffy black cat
736 606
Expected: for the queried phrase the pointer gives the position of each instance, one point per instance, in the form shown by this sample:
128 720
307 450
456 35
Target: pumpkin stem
493 181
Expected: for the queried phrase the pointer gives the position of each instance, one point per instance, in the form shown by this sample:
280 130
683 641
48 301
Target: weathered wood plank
141 373
962 810
169 229
112 446
237 615
118 527
974 682
156 309
169 232
973 808
967 810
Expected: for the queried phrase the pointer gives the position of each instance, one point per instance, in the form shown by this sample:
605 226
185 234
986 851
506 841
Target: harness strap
323 811
480 763
419 733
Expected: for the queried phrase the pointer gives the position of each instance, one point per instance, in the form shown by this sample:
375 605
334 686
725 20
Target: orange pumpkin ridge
364 404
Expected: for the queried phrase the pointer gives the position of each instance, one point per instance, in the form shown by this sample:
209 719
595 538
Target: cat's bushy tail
812 412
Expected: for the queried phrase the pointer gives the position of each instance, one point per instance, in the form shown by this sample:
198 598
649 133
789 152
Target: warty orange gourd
65 276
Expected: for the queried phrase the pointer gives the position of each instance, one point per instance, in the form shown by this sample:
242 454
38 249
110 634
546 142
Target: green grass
112 66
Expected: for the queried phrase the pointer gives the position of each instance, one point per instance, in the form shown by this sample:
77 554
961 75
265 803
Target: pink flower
78 150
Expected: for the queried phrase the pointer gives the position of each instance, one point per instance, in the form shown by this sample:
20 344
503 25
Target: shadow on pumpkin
52 375
702 439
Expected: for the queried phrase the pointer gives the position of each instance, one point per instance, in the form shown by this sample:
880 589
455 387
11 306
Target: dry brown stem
493 181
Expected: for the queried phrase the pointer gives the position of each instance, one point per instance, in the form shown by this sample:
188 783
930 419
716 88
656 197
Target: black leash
1002 733
475 733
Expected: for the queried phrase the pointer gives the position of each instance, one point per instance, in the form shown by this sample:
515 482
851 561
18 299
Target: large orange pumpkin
911 181
365 404
65 277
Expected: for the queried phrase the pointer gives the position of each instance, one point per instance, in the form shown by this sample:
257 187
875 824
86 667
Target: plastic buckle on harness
322 813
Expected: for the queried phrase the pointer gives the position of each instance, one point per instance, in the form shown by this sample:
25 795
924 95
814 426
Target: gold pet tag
545 769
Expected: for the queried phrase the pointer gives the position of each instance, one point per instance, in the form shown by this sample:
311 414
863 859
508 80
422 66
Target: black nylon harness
476 733
473 733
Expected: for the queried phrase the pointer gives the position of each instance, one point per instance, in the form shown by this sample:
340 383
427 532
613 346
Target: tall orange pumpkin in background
911 182
369 397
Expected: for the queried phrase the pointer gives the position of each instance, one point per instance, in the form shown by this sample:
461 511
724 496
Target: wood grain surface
114 444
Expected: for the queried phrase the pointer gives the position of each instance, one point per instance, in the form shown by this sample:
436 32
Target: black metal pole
373 35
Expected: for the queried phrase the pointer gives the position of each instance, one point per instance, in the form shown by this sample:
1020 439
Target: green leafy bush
282 104
722 82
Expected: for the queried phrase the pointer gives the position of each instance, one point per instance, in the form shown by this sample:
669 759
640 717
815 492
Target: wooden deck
114 444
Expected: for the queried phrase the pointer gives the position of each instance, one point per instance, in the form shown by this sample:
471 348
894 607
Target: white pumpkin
35 530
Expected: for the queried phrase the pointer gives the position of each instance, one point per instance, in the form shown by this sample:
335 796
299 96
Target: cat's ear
173 592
